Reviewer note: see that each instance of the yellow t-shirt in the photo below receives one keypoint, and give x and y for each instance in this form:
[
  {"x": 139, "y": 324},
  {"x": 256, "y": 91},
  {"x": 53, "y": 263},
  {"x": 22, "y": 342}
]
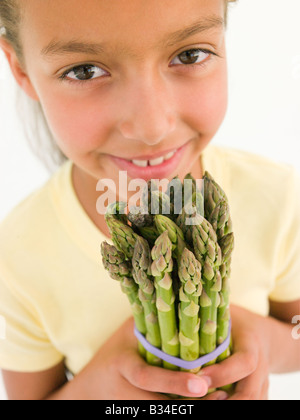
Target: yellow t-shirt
[{"x": 57, "y": 301}]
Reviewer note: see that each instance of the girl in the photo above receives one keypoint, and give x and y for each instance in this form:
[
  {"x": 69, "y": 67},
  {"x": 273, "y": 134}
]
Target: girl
[{"x": 137, "y": 86}]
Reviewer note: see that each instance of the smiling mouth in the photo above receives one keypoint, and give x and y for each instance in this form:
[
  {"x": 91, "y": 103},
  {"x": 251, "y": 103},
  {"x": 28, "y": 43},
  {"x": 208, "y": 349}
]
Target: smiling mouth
[
  {"x": 157, "y": 166},
  {"x": 143, "y": 163}
]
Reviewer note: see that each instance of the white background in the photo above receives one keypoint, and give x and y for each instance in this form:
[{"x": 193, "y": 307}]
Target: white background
[{"x": 263, "y": 116}]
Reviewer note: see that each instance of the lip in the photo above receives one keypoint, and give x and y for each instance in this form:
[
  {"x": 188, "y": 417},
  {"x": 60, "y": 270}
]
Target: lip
[
  {"x": 152, "y": 156},
  {"x": 162, "y": 171}
]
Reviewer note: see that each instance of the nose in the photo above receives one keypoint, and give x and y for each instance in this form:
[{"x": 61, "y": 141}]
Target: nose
[{"x": 148, "y": 111}]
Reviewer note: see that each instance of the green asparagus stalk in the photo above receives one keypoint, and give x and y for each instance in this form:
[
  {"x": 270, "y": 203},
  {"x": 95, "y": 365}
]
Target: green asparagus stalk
[
  {"x": 147, "y": 193},
  {"x": 140, "y": 218},
  {"x": 191, "y": 215},
  {"x": 123, "y": 236},
  {"x": 227, "y": 246},
  {"x": 213, "y": 195},
  {"x": 220, "y": 219},
  {"x": 116, "y": 211},
  {"x": 160, "y": 204},
  {"x": 189, "y": 177},
  {"x": 141, "y": 263},
  {"x": 119, "y": 269},
  {"x": 192, "y": 194},
  {"x": 208, "y": 252},
  {"x": 218, "y": 213},
  {"x": 175, "y": 193},
  {"x": 164, "y": 224},
  {"x": 150, "y": 233},
  {"x": 190, "y": 292},
  {"x": 161, "y": 269}
]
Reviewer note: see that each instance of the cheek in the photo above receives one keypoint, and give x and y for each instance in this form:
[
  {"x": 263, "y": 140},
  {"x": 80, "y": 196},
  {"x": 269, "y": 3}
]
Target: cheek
[
  {"x": 206, "y": 103},
  {"x": 79, "y": 125}
]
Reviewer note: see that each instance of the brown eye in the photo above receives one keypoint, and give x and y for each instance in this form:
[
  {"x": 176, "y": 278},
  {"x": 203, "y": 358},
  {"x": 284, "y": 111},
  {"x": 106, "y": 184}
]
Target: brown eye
[
  {"x": 85, "y": 72},
  {"x": 189, "y": 57},
  {"x": 195, "y": 56}
]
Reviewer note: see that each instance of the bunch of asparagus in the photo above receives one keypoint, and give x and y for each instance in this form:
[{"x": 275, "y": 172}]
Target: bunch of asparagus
[{"x": 175, "y": 273}]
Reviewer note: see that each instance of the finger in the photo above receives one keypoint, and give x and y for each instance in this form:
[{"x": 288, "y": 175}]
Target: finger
[
  {"x": 216, "y": 396},
  {"x": 252, "y": 388},
  {"x": 230, "y": 371},
  {"x": 255, "y": 386},
  {"x": 237, "y": 367},
  {"x": 154, "y": 379},
  {"x": 136, "y": 394}
]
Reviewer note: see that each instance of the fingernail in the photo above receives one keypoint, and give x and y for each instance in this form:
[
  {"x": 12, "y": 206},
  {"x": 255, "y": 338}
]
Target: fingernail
[
  {"x": 223, "y": 396},
  {"x": 208, "y": 380},
  {"x": 197, "y": 387}
]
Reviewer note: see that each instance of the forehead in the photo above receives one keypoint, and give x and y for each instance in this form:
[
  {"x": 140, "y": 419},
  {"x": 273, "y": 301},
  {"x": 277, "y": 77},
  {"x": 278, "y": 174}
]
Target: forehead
[{"x": 139, "y": 23}]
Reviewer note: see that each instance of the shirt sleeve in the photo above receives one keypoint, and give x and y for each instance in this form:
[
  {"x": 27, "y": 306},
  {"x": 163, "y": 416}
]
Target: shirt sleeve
[
  {"x": 24, "y": 345},
  {"x": 287, "y": 285}
]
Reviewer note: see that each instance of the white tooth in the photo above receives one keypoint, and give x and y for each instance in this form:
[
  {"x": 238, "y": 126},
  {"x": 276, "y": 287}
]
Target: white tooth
[
  {"x": 169, "y": 155},
  {"x": 156, "y": 162},
  {"x": 141, "y": 163}
]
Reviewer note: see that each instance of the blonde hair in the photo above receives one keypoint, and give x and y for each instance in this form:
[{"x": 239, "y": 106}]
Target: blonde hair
[
  {"x": 10, "y": 16},
  {"x": 36, "y": 129},
  {"x": 41, "y": 142}
]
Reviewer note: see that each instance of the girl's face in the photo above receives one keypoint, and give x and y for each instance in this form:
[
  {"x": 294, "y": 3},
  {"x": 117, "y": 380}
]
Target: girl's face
[{"x": 137, "y": 85}]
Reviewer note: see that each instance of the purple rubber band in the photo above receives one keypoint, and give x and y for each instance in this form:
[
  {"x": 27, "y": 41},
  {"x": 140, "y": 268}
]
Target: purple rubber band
[{"x": 180, "y": 362}]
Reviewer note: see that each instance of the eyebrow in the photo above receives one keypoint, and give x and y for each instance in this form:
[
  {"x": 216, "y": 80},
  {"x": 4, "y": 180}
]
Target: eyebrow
[
  {"x": 92, "y": 48},
  {"x": 196, "y": 28},
  {"x": 71, "y": 47}
]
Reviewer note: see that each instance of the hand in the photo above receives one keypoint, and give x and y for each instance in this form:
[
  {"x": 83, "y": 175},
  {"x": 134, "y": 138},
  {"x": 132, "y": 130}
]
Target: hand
[
  {"x": 118, "y": 372},
  {"x": 248, "y": 366}
]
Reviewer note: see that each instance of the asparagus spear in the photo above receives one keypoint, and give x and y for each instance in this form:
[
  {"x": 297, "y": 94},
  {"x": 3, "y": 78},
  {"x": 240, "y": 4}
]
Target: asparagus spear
[
  {"x": 191, "y": 192},
  {"x": 175, "y": 193},
  {"x": 123, "y": 236},
  {"x": 164, "y": 224},
  {"x": 161, "y": 269},
  {"x": 141, "y": 263},
  {"x": 218, "y": 213},
  {"x": 208, "y": 252},
  {"x": 139, "y": 217},
  {"x": 116, "y": 211},
  {"x": 189, "y": 177},
  {"x": 227, "y": 246},
  {"x": 220, "y": 219},
  {"x": 178, "y": 195},
  {"x": 191, "y": 215},
  {"x": 150, "y": 233},
  {"x": 190, "y": 277},
  {"x": 119, "y": 269},
  {"x": 213, "y": 195},
  {"x": 160, "y": 204},
  {"x": 147, "y": 194}
]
